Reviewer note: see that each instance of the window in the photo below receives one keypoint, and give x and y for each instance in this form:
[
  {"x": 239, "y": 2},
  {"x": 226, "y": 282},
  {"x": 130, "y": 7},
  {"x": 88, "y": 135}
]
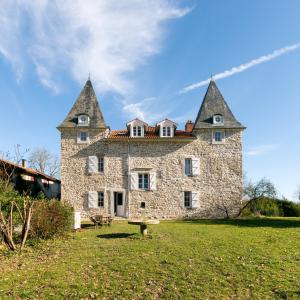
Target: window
[
  {"x": 100, "y": 164},
  {"x": 100, "y": 199},
  {"x": 188, "y": 167},
  {"x": 143, "y": 205},
  {"x": 83, "y": 136},
  {"x": 166, "y": 131},
  {"x": 137, "y": 131},
  {"x": 144, "y": 181},
  {"x": 218, "y": 137},
  {"x": 218, "y": 120},
  {"x": 83, "y": 120},
  {"x": 187, "y": 199}
]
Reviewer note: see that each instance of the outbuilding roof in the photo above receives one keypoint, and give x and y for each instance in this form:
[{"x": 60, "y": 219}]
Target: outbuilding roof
[{"x": 10, "y": 165}]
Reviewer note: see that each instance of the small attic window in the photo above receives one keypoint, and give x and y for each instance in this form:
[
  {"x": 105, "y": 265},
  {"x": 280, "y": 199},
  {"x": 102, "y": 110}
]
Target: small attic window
[
  {"x": 218, "y": 120},
  {"x": 83, "y": 120}
]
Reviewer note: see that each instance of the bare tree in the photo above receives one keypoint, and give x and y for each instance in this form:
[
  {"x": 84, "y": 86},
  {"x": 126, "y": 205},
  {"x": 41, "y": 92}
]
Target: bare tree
[
  {"x": 42, "y": 160},
  {"x": 256, "y": 191},
  {"x": 6, "y": 168},
  {"x": 7, "y": 223}
]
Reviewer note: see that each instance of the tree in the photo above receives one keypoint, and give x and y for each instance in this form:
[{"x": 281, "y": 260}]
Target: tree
[
  {"x": 253, "y": 192},
  {"x": 14, "y": 210},
  {"x": 43, "y": 161},
  {"x": 6, "y": 158},
  {"x": 298, "y": 193}
]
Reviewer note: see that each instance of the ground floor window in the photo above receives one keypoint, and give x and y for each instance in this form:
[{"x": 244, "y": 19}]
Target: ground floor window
[
  {"x": 187, "y": 199},
  {"x": 144, "y": 181},
  {"x": 101, "y": 199}
]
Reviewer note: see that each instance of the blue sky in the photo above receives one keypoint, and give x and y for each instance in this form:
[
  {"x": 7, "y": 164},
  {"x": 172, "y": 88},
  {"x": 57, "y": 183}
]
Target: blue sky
[{"x": 141, "y": 55}]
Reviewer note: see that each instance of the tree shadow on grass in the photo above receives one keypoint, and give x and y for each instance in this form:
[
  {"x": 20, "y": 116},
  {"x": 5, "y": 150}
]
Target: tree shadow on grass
[
  {"x": 115, "y": 235},
  {"x": 255, "y": 222}
]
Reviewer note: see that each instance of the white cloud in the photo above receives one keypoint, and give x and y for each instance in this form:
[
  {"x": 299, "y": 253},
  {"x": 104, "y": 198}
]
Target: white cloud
[
  {"x": 243, "y": 67},
  {"x": 145, "y": 110},
  {"x": 109, "y": 39},
  {"x": 261, "y": 149}
]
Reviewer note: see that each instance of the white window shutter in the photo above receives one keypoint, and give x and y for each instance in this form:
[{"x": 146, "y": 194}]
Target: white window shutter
[
  {"x": 195, "y": 166},
  {"x": 93, "y": 164},
  {"x": 195, "y": 199},
  {"x": 92, "y": 199},
  {"x": 133, "y": 181},
  {"x": 153, "y": 181}
]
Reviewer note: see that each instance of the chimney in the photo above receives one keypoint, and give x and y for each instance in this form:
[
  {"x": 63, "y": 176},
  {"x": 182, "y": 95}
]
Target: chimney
[
  {"x": 189, "y": 126},
  {"x": 23, "y": 163}
]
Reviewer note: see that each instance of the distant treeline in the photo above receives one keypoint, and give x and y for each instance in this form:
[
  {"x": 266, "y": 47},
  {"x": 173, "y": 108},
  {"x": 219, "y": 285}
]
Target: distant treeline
[{"x": 273, "y": 207}]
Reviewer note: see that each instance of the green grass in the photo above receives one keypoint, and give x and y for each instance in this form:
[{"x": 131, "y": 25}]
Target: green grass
[{"x": 205, "y": 259}]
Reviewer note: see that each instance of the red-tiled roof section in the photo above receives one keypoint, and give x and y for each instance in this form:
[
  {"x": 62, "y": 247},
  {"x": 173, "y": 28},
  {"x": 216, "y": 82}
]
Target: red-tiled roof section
[
  {"x": 151, "y": 133},
  {"x": 27, "y": 170}
]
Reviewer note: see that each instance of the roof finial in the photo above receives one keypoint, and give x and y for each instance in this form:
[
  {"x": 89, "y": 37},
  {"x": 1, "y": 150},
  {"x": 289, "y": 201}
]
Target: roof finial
[
  {"x": 212, "y": 77},
  {"x": 89, "y": 76}
]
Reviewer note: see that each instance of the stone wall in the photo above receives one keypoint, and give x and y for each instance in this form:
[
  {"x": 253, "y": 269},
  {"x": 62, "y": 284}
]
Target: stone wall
[{"x": 219, "y": 183}]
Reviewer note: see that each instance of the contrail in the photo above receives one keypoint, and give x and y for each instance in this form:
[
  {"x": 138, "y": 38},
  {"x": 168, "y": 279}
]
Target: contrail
[{"x": 243, "y": 67}]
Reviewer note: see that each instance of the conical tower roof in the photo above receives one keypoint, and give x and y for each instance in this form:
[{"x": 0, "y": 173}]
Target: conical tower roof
[
  {"x": 86, "y": 104},
  {"x": 214, "y": 104}
]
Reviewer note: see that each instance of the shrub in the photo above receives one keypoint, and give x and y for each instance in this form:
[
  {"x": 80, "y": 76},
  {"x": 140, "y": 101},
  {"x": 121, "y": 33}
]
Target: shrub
[
  {"x": 290, "y": 209},
  {"x": 7, "y": 195},
  {"x": 50, "y": 218},
  {"x": 273, "y": 207}
]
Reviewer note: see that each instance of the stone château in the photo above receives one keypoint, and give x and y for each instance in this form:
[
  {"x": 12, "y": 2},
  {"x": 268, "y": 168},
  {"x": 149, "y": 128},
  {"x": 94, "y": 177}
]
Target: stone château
[{"x": 153, "y": 171}]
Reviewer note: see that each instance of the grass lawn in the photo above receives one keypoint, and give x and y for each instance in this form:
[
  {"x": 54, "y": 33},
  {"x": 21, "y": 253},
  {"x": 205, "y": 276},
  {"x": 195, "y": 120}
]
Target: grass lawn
[{"x": 205, "y": 259}]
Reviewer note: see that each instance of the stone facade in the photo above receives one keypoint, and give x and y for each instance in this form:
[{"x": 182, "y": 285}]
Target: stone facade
[{"x": 217, "y": 185}]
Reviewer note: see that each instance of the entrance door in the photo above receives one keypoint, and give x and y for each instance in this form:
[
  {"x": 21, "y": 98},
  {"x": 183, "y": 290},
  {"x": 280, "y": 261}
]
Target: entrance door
[{"x": 118, "y": 204}]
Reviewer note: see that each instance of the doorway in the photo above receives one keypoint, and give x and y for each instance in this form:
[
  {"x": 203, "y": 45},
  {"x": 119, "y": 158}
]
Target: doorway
[{"x": 118, "y": 204}]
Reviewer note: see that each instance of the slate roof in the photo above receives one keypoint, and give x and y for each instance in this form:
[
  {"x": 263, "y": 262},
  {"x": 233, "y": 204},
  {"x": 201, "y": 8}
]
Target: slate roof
[
  {"x": 87, "y": 104},
  {"x": 213, "y": 104},
  {"x": 151, "y": 133}
]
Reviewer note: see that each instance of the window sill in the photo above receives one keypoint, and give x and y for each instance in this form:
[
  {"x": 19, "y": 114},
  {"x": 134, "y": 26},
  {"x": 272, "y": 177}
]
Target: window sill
[
  {"x": 83, "y": 142},
  {"x": 218, "y": 143},
  {"x": 96, "y": 173}
]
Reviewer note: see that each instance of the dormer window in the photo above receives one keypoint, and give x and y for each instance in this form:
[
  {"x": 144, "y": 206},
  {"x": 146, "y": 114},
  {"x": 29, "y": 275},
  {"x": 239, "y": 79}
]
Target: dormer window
[
  {"x": 137, "y": 128},
  {"x": 218, "y": 120},
  {"x": 83, "y": 120},
  {"x": 166, "y": 128}
]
